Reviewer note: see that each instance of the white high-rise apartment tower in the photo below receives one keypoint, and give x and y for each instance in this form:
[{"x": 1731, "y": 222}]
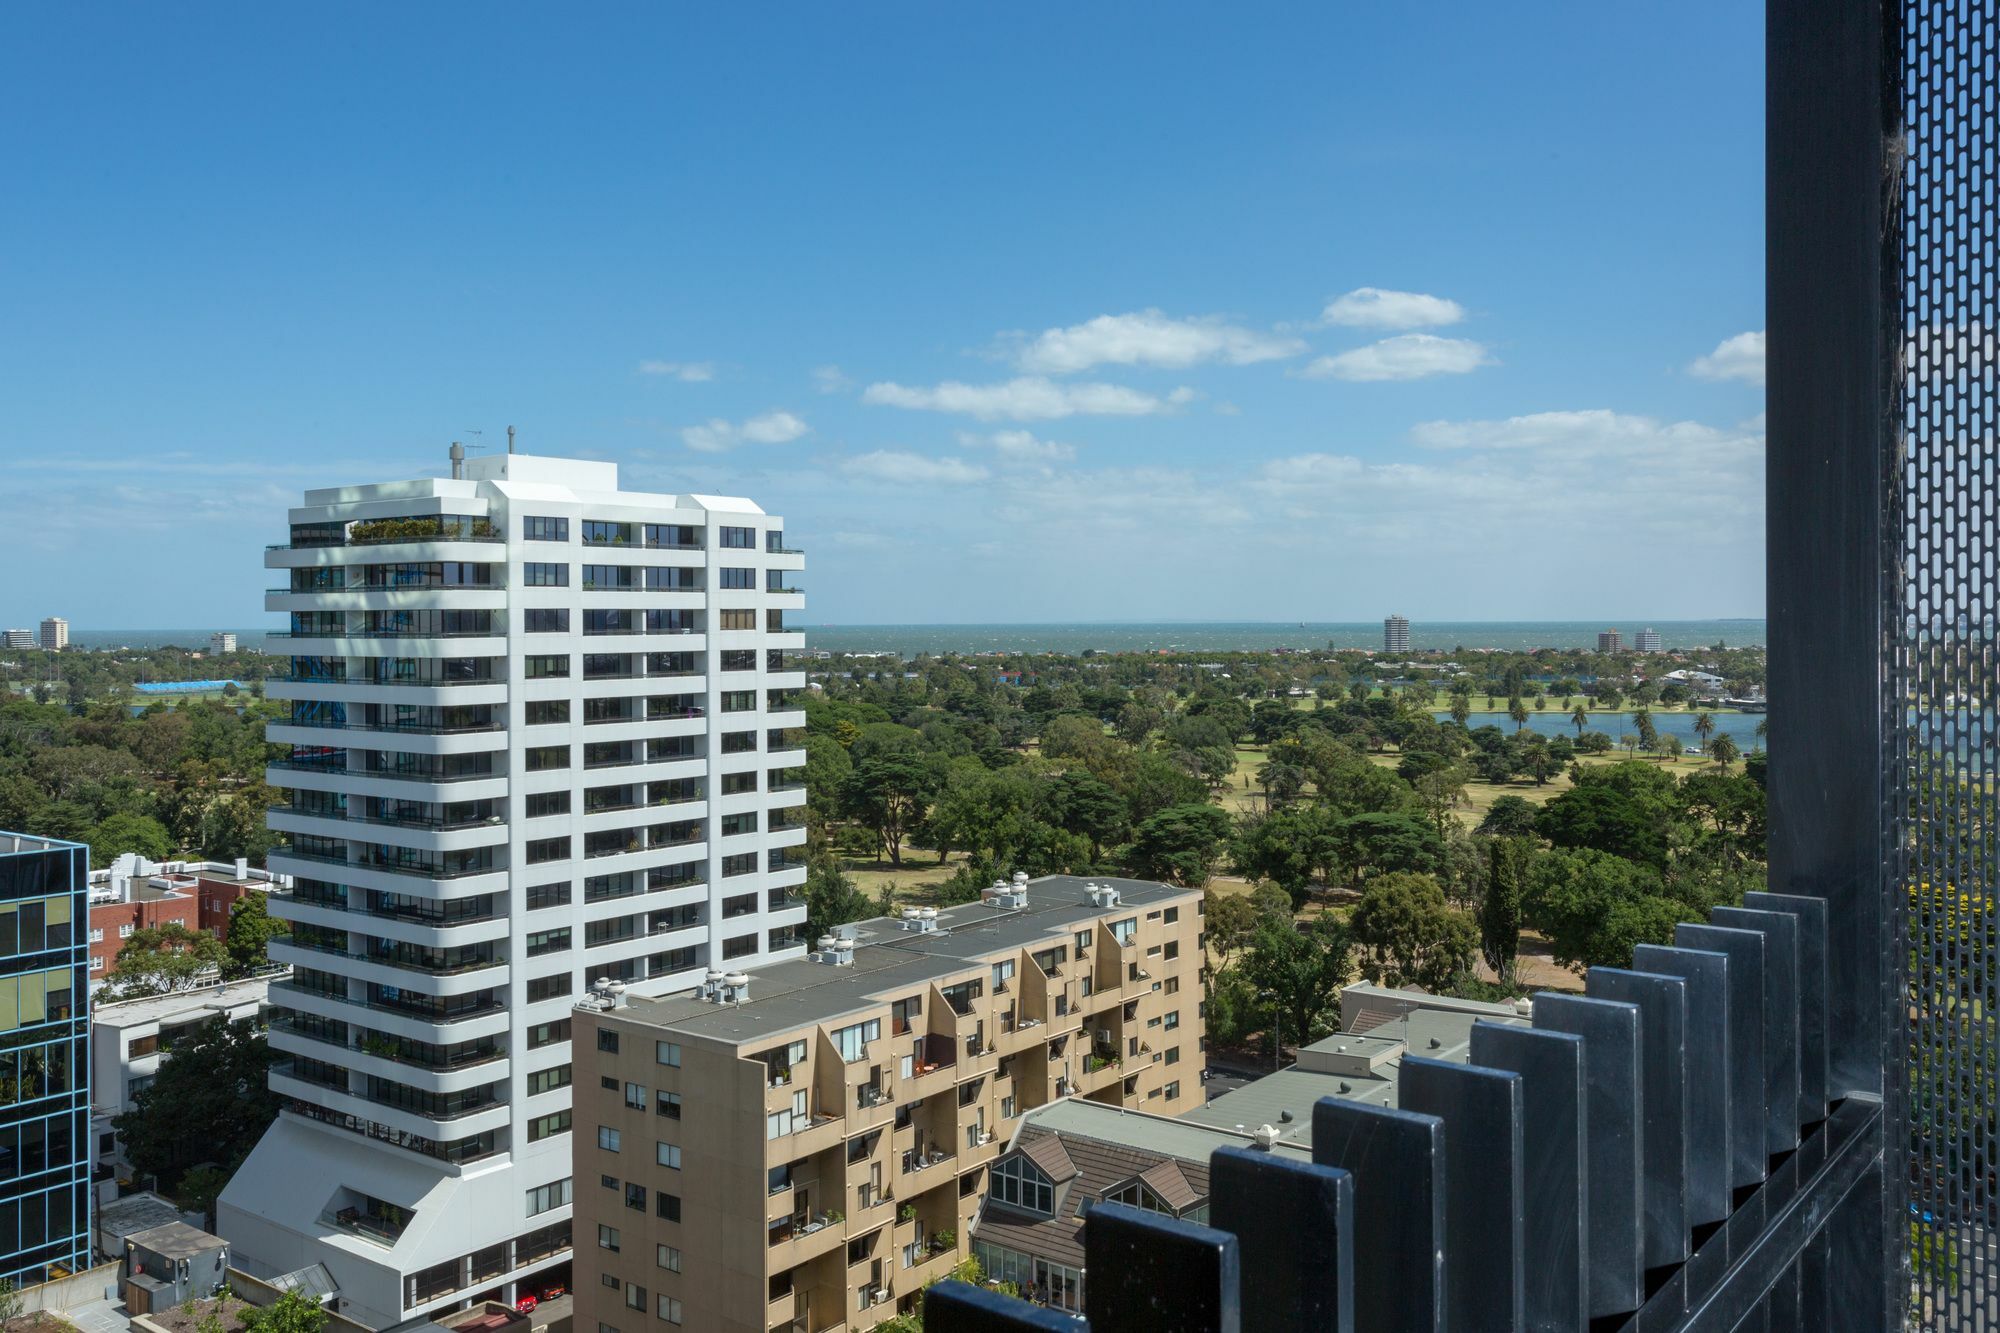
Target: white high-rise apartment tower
[
  {"x": 1395, "y": 634},
  {"x": 544, "y": 733}
]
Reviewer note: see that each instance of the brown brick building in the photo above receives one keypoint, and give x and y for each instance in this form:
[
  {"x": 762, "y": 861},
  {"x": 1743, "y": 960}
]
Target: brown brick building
[
  {"x": 806, "y": 1148},
  {"x": 198, "y": 900}
]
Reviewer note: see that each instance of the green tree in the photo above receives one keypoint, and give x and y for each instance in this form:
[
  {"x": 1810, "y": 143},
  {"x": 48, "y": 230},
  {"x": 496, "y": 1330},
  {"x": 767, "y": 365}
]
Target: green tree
[
  {"x": 1180, "y": 844},
  {"x": 1509, "y": 816},
  {"x": 1409, "y": 935},
  {"x": 1500, "y": 907},
  {"x": 157, "y": 960},
  {"x": 1580, "y": 715},
  {"x": 126, "y": 832},
  {"x": 251, "y": 929},
  {"x": 217, "y": 1079},
  {"x": 1594, "y": 907},
  {"x": 1087, "y": 806},
  {"x": 831, "y": 898},
  {"x": 1293, "y": 848},
  {"x": 1518, "y": 711},
  {"x": 1604, "y": 818},
  {"x": 1461, "y": 707},
  {"x": 1375, "y": 843},
  {"x": 1704, "y": 727},
  {"x": 293, "y": 1312},
  {"x": 1304, "y": 971},
  {"x": 1723, "y": 751},
  {"x": 888, "y": 795}
]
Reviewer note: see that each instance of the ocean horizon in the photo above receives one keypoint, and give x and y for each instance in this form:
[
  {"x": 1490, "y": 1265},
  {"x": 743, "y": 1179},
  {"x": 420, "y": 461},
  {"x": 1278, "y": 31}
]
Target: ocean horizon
[{"x": 1075, "y": 637}]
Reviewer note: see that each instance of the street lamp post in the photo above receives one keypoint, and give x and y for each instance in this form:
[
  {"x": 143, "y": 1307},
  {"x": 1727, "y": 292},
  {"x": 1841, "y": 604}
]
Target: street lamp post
[{"x": 1278, "y": 1024}]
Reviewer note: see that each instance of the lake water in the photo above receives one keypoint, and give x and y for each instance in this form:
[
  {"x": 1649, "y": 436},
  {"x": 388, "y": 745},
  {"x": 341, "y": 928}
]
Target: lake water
[{"x": 1739, "y": 727}]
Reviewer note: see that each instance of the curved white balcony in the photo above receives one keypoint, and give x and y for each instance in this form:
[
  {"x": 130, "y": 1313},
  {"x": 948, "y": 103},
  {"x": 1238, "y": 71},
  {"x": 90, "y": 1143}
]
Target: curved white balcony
[
  {"x": 359, "y": 736},
  {"x": 395, "y": 1117},
  {"x": 356, "y": 784},
  {"x": 471, "y": 1073},
  {"x": 485, "y": 1022}
]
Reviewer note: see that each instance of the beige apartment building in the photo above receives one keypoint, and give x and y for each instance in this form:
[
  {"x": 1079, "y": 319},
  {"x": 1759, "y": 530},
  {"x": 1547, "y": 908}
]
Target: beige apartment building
[{"x": 804, "y": 1148}]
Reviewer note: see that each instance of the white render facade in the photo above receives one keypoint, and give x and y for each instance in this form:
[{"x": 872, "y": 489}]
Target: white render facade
[{"x": 545, "y": 733}]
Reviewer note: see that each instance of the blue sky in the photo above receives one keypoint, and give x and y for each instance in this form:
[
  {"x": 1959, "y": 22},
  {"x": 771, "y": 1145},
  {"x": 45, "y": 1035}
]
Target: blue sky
[{"x": 1034, "y": 312}]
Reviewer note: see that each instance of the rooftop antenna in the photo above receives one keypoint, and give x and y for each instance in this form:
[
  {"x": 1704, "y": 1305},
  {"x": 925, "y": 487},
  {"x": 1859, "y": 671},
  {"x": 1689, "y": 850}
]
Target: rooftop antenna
[
  {"x": 476, "y": 446},
  {"x": 510, "y": 439}
]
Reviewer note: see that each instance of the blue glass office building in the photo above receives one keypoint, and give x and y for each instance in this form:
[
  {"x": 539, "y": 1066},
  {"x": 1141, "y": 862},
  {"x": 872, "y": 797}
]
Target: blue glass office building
[{"x": 44, "y": 1058}]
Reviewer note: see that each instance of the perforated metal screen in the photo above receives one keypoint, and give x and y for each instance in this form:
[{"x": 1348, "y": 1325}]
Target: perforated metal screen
[{"x": 1943, "y": 690}]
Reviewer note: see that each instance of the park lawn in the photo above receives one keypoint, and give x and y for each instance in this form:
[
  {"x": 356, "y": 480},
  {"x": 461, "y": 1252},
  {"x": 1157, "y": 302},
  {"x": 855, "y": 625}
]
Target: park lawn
[{"x": 915, "y": 881}]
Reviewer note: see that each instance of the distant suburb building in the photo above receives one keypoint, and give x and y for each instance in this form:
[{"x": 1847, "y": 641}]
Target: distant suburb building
[
  {"x": 19, "y": 638},
  {"x": 1396, "y": 634},
  {"x": 805, "y": 1147},
  {"x": 44, "y": 1072},
  {"x": 1647, "y": 641},
  {"x": 1610, "y": 641},
  {"x": 54, "y": 636},
  {"x": 222, "y": 641}
]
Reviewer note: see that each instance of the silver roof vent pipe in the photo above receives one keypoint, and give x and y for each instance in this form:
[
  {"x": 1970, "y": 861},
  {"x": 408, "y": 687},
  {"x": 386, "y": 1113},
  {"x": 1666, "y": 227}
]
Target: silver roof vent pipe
[{"x": 458, "y": 461}]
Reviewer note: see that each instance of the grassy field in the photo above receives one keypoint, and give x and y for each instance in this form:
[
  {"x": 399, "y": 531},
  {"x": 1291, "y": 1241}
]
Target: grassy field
[{"x": 1243, "y": 796}]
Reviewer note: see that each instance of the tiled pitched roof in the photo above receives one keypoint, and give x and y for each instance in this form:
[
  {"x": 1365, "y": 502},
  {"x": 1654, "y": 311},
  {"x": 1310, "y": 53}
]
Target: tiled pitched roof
[
  {"x": 1047, "y": 1153},
  {"x": 1097, "y": 1167},
  {"x": 1167, "y": 1180}
]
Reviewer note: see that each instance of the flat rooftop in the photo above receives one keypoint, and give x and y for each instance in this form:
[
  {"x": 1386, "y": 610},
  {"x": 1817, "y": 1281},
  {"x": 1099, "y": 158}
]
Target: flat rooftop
[
  {"x": 1285, "y": 1100},
  {"x": 183, "y": 1005},
  {"x": 14, "y": 844},
  {"x": 889, "y": 959},
  {"x": 1185, "y": 1138}
]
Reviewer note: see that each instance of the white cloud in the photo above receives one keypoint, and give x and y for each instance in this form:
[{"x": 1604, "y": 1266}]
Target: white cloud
[
  {"x": 1029, "y": 398},
  {"x": 687, "y": 372},
  {"x": 829, "y": 379},
  {"x": 1409, "y": 356},
  {"x": 1737, "y": 358},
  {"x": 1019, "y": 446},
  {"x": 1376, "y": 308},
  {"x": 1561, "y": 475},
  {"x": 716, "y": 435},
  {"x": 907, "y": 469},
  {"x": 1591, "y": 433},
  {"x": 1151, "y": 338}
]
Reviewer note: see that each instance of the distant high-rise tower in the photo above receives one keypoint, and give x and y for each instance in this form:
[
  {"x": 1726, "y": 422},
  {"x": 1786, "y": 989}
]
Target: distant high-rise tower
[
  {"x": 222, "y": 641},
  {"x": 1396, "y": 634},
  {"x": 55, "y": 634},
  {"x": 543, "y": 732},
  {"x": 1610, "y": 641},
  {"x": 1648, "y": 641}
]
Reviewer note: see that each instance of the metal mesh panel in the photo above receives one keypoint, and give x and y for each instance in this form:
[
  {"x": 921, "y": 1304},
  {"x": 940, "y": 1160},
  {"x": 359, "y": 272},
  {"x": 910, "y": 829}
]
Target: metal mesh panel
[{"x": 1942, "y": 690}]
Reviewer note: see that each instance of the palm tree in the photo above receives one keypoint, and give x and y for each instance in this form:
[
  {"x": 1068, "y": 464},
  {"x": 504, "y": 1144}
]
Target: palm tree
[
  {"x": 1518, "y": 711},
  {"x": 1581, "y": 716},
  {"x": 1762, "y": 723},
  {"x": 1642, "y": 718},
  {"x": 1704, "y": 726},
  {"x": 1722, "y": 750},
  {"x": 1461, "y": 708}
]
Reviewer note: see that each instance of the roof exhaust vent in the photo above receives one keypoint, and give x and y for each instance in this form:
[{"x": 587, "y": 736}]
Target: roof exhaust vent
[
  {"x": 1265, "y": 1137},
  {"x": 1101, "y": 895},
  {"x": 835, "y": 951},
  {"x": 735, "y": 989},
  {"x": 1006, "y": 894},
  {"x": 922, "y": 920}
]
